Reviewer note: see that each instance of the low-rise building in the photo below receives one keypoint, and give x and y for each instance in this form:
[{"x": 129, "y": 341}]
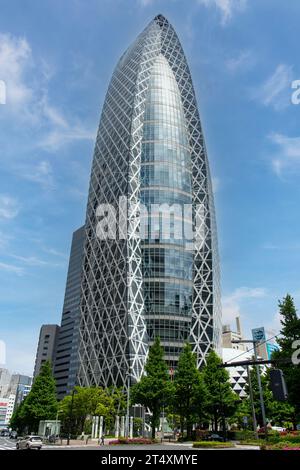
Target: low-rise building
[{"x": 6, "y": 410}]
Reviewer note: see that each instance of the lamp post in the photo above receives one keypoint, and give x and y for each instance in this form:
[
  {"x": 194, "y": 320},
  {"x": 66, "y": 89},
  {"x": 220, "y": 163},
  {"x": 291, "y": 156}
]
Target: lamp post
[
  {"x": 56, "y": 424},
  {"x": 70, "y": 417},
  {"x": 128, "y": 405}
]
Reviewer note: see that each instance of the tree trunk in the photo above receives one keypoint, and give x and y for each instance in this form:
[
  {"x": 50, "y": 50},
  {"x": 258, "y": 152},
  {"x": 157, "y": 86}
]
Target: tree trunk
[
  {"x": 215, "y": 423},
  {"x": 153, "y": 429},
  {"x": 154, "y": 422},
  {"x": 182, "y": 426}
]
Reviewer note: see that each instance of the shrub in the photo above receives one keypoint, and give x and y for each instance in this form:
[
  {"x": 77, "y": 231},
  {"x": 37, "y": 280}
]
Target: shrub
[
  {"x": 295, "y": 438},
  {"x": 283, "y": 445},
  {"x": 242, "y": 435},
  {"x": 213, "y": 444},
  {"x": 135, "y": 440}
]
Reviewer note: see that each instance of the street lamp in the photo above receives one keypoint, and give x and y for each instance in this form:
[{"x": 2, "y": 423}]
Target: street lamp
[
  {"x": 70, "y": 417},
  {"x": 56, "y": 423},
  {"x": 128, "y": 403}
]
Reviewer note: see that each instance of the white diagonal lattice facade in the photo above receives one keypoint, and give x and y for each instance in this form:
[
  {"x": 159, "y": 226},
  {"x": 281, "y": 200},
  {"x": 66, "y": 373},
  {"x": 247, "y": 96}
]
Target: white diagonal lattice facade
[{"x": 149, "y": 149}]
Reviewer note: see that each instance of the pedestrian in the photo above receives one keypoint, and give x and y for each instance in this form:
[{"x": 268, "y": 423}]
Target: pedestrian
[{"x": 102, "y": 440}]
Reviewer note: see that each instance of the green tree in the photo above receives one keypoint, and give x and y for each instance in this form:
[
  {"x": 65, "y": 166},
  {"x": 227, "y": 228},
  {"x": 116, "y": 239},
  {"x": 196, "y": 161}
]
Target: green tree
[
  {"x": 17, "y": 420},
  {"x": 154, "y": 389},
  {"x": 190, "y": 391},
  {"x": 87, "y": 402},
  {"x": 41, "y": 403},
  {"x": 222, "y": 401},
  {"x": 290, "y": 332}
]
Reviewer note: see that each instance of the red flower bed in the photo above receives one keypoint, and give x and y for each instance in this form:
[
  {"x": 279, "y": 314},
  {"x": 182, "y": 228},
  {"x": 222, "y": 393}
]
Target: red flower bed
[{"x": 291, "y": 448}]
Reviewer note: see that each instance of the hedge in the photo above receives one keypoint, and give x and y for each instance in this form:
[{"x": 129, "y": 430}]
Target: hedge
[{"x": 213, "y": 444}]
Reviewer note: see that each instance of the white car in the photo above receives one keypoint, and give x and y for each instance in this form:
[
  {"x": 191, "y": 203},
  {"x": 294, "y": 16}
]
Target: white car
[
  {"x": 30, "y": 442},
  {"x": 278, "y": 428}
]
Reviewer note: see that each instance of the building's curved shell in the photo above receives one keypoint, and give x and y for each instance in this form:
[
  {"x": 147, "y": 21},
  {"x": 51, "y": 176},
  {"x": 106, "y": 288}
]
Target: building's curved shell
[{"x": 118, "y": 318}]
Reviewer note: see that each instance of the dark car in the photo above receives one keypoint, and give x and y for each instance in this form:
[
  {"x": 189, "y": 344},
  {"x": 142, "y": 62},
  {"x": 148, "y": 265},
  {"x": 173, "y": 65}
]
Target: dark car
[{"x": 215, "y": 437}]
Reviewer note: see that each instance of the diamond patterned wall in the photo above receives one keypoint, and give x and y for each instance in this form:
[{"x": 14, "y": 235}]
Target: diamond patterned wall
[{"x": 113, "y": 332}]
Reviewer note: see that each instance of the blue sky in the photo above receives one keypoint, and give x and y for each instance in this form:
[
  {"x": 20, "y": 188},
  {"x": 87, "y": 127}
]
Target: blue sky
[{"x": 56, "y": 58}]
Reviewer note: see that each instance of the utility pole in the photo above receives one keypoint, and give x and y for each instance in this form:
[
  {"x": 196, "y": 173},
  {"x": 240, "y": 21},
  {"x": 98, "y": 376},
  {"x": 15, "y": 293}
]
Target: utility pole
[
  {"x": 252, "y": 403},
  {"x": 261, "y": 396}
]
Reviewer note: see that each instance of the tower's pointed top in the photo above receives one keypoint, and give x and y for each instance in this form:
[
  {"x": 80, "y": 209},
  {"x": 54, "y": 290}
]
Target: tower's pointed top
[{"x": 160, "y": 19}]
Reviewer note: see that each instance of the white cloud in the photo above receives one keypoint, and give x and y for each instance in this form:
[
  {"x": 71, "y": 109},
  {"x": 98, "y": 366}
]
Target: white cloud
[
  {"x": 20, "y": 349},
  {"x": 27, "y": 81},
  {"x": 9, "y": 207},
  {"x": 59, "y": 137},
  {"x": 145, "y": 3},
  {"x": 216, "y": 184},
  {"x": 274, "y": 326},
  {"x": 244, "y": 61},
  {"x": 232, "y": 303},
  {"x": 15, "y": 58},
  {"x": 41, "y": 173},
  {"x": 11, "y": 268},
  {"x": 275, "y": 91},
  {"x": 32, "y": 261},
  {"x": 53, "y": 252},
  {"x": 283, "y": 247},
  {"x": 287, "y": 156},
  {"x": 226, "y": 7}
]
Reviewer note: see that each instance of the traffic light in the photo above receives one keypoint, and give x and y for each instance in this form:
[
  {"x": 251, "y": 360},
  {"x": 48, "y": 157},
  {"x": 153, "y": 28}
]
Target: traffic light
[{"x": 278, "y": 385}]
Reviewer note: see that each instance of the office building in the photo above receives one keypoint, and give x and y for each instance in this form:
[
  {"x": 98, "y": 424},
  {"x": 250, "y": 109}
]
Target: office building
[
  {"x": 46, "y": 346},
  {"x": 66, "y": 355},
  {"x": 142, "y": 277}
]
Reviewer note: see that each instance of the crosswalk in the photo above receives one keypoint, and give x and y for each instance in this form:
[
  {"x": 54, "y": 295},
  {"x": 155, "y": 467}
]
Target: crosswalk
[{"x": 6, "y": 444}]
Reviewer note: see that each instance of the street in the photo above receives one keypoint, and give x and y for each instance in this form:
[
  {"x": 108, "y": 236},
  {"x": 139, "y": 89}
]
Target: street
[
  {"x": 10, "y": 444},
  {"x": 7, "y": 444}
]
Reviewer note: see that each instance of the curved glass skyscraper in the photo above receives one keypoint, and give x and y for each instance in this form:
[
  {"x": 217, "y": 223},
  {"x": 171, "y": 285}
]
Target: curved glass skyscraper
[{"x": 151, "y": 260}]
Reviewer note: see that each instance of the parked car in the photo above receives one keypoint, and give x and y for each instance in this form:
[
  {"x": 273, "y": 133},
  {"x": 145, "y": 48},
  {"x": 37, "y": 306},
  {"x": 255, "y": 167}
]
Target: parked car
[
  {"x": 215, "y": 437},
  {"x": 13, "y": 435},
  {"x": 278, "y": 428},
  {"x": 30, "y": 442}
]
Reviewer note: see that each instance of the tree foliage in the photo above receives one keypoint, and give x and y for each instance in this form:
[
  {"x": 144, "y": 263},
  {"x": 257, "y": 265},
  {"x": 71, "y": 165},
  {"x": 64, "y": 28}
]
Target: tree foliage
[
  {"x": 222, "y": 401},
  {"x": 40, "y": 404},
  {"x": 155, "y": 388},
  {"x": 190, "y": 392},
  {"x": 290, "y": 333},
  {"x": 76, "y": 411}
]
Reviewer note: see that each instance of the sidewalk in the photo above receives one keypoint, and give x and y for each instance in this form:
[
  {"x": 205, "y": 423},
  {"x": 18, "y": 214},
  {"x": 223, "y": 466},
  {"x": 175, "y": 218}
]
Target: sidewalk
[{"x": 75, "y": 443}]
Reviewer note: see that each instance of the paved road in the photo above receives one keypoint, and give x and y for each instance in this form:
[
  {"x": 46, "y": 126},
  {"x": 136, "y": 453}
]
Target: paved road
[
  {"x": 7, "y": 444},
  {"x": 149, "y": 448},
  {"x": 10, "y": 444}
]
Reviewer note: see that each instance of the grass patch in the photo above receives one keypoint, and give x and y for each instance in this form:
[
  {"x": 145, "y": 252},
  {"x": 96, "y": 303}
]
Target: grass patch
[
  {"x": 213, "y": 445},
  {"x": 252, "y": 442}
]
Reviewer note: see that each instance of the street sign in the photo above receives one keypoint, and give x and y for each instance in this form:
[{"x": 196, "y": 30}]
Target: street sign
[{"x": 258, "y": 334}]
